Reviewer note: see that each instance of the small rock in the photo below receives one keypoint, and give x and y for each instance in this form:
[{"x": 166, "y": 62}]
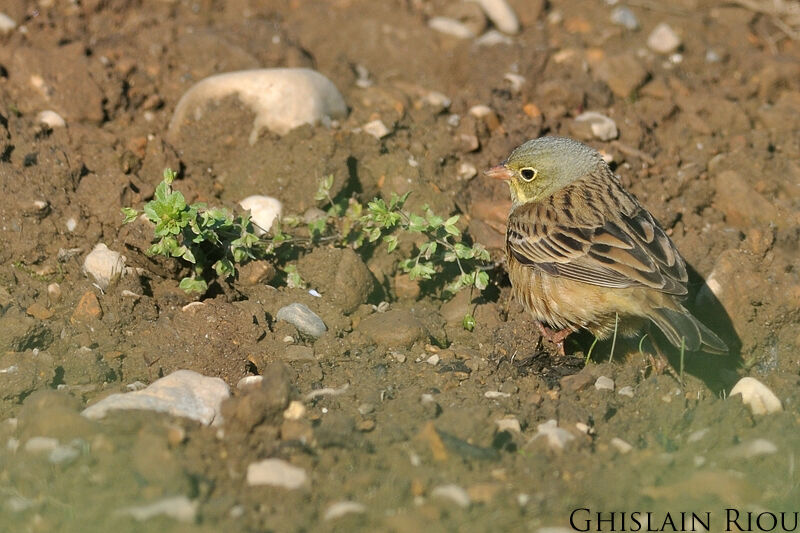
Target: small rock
[
  {"x": 376, "y": 128},
  {"x": 54, "y": 292},
  {"x": 40, "y": 444},
  {"x": 451, "y": 27},
  {"x": 663, "y": 39},
  {"x": 495, "y": 394},
  {"x": 757, "y": 396},
  {"x": 752, "y": 448},
  {"x": 304, "y": 319},
  {"x": 622, "y": 16},
  {"x": 340, "y": 509},
  {"x": 501, "y": 14},
  {"x": 433, "y": 360},
  {"x": 622, "y": 73},
  {"x": 576, "y": 382},
  {"x": 508, "y": 424},
  {"x": 466, "y": 171},
  {"x": 394, "y": 328},
  {"x": 277, "y": 473},
  {"x": 295, "y": 411},
  {"x": 264, "y": 211},
  {"x": 453, "y": 493},
  {"x": 604, "y": 383},
  {"x": 248, "y": 382},
  {"x": 556, "y": 437},
  {"x": 492, "y": 38},
  {"x": 183, "y": 393},
  {"x": 7, "y": 24},
  {"x": 626, "y": 391},
  {"x": 37, "y": 310},
  {"x": 104, "y": 265},
  {"x": 621, "y": 446},
  {"x": 598, "y": 125},
  {"x": 51, "y": 119},
  {"x": 179, "y": 508},
  {"x": 281, "y": 98},
  {"x": 87, "y": 310}
]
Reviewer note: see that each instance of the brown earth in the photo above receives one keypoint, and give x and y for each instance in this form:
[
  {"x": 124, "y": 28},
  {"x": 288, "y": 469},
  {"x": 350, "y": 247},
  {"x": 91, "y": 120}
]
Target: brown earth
[{"x": 709, "y": 141}]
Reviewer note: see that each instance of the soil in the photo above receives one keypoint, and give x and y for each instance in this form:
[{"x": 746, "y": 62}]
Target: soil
[{"x": 709, "y": 141}]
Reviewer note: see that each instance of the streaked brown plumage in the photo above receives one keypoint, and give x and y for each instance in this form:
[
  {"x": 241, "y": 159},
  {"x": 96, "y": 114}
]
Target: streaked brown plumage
[{"x": 582, "y": 251}]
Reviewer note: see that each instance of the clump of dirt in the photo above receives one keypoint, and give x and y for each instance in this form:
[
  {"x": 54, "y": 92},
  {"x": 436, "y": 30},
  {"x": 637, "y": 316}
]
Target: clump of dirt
[{"x": 413, "y": 421}]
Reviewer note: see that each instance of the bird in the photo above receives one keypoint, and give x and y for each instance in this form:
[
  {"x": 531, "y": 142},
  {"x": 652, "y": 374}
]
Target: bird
[{"x": 582, "y": 252}]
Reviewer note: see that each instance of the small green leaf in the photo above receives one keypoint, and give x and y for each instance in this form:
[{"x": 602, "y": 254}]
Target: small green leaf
[
  {"x": 194, "y": 285},
  {"x": 468, "y": 322},
  {"x": 481, "y": 280},
  {"x": 129, "y": 214},
  {"x": 391, "y": 240},
  {"x": 224, "y": 268}
]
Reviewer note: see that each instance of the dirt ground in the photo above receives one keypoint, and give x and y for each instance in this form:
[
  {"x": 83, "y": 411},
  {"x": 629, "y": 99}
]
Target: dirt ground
[{"x": 438, "y": 428}]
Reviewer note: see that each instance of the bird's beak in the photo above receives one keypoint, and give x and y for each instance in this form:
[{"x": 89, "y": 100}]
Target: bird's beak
[{"x": 500, "y": 172}]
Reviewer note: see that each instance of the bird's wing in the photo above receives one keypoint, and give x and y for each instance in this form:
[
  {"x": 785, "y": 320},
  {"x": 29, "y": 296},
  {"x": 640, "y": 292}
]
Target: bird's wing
[{"x": 605, "y": 239}]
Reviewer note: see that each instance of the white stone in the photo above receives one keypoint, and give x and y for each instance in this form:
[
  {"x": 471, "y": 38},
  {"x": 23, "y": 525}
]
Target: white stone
[
  {"x": 454, "y": 493},
  {"x": 557, "y": 438},
  {"x": 376, "y": 128},
  {"x": 339, "y": 509},
  {"x": 467, "y": 171},
  {"x": 494, "y": 394},
  {"x": 264, "y": 211},
  {"x": 437, "y": 99},
  {"x": 501, "y": 14},
  {"x": 515, "y": 80},
  {"x": 433, "y": 360},
  {"x": 492, "y": 38},
  {"x": 41, "y": 444},
  {"x": 752, "y": 448},
  {"x": 604, "y": 383},
  {"x": 179, "y": 508},
  {"x": 480, "y": 111},
  {"x": 183, "y": 393},
  {"x": 450, "y": 26},
  {"x": 104, "y": 265},
  {"x": 7, "y": 24},
  {"x": 627, "y": 390},
  {"x": 622, "y": 16},
  {"x": 295, "y": 411},
  {"x": 508, "y": 424},
  {"x": 757, "y": 396},
  {"x": 621, "y": 446},
  {"x": 50, "y": 119},
  {"x": 602, "y": 127},
  {"x": 277, "y": 473},
  {"x": 281, "y": 98},
  {"x": 71, "y": 224},
  {"x": 663, "y": 39},
  {"x": 249, "y": 382}
]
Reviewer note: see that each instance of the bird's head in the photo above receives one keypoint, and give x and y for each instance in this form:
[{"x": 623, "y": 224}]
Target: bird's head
[{"x": 543, "y": 166}]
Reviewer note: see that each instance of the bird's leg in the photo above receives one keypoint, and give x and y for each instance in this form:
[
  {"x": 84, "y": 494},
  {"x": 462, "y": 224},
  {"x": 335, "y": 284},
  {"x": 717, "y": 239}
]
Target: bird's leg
[{"x": 556, "y": 337}]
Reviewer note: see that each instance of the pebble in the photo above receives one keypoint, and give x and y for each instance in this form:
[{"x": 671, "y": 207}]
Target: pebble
[
  {"x": 621, "y": 446},
  {"x": 557, "y": 438},
  {"x": 752, "y": 448},
  {"x": 7, "y": 24},
  {"x": 757, "y": 396},
  {"x": 492, "y": 38},
  {"x": 281, "y": 98},
  {"x": 515, "y": 80},
  {"x": 454, "y": 493},
  {"x": 51, "y": 119},
  {"x": 183, "y": 393},
  {"x": 601, "y": 127},
  {"x": 467, "y": 171},
  {"x": 576, "y": 382},
  {"x": 264, "y": 210},
  {"x": 71, "y": 224},
  {"x": 87, "y": 310},
  {"x": 438, "y": 100},
  {"x": 626, "y": 391},
  {"x": 249, "y": 382},
  {"x": 433, "y": 360},
  {"x": 339, "y": 509},
  {"x": 394, "y": 328},
  {"x": 622, "y": 16},
  {"x": 450, "y": 26},
  {"x": 179, "y": 508},
  {"x": 376, "y": 128},
  {"x": 604, "y": 383},
  {"x": 104, "y": 265},
  {"x": 37, "y": 310},
  {"x": 493, "y": 394},
  {"x": 41, "y": 444},
  {"x": 277, "y": 473},
  {"x": 501, "y": 14},
  {"x": 508, "y": 424},
  {"x": 295, "y": 411},
  {"x": 663, "y": 39},
  {"x": 54, "y": 292},
  {"x": 304, "y": 319}
]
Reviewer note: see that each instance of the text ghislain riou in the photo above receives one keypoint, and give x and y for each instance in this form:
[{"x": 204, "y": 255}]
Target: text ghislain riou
[{"x": 584, "y": 519}]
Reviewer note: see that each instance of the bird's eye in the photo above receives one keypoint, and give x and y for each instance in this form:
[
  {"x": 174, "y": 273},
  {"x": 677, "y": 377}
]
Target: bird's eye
[{"x": 528, "y": 173}]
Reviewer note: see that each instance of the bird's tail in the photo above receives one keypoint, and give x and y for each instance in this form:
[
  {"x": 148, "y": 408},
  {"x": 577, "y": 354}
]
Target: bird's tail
[{"x": 677, "y": 324}]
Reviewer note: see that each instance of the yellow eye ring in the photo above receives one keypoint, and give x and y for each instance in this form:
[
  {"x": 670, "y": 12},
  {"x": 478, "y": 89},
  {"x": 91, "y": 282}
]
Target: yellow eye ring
[{"x": 528, "y": 173}]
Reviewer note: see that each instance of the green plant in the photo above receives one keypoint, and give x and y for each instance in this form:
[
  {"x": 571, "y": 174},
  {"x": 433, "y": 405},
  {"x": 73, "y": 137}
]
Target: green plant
[
  {"x": 209, "y": 238},
  {"x": 215, "y": 240}
]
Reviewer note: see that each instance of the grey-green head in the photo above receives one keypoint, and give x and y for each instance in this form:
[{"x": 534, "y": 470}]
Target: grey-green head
[{"x": 540, "y": 167}]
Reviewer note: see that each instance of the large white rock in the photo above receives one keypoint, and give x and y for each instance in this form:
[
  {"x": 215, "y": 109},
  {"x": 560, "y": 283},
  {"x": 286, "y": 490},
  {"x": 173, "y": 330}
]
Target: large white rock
[
  {"x": 757, "y": 396},
  {"x": 183, "y": 393},
  {"x": 276, "y": 472},
  {"x": 104, "y": 265},
  {"x": 501, "y": 14},
  {"x": 264, "y": 210},
  {"x": 281, "y": 98}
]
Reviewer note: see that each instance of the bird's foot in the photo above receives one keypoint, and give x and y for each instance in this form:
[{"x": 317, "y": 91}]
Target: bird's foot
[{"x": 556, "y": 337}]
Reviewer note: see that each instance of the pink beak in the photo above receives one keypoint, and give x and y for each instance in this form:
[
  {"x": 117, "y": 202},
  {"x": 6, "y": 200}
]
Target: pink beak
[{"x": 500, "y": 172}]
